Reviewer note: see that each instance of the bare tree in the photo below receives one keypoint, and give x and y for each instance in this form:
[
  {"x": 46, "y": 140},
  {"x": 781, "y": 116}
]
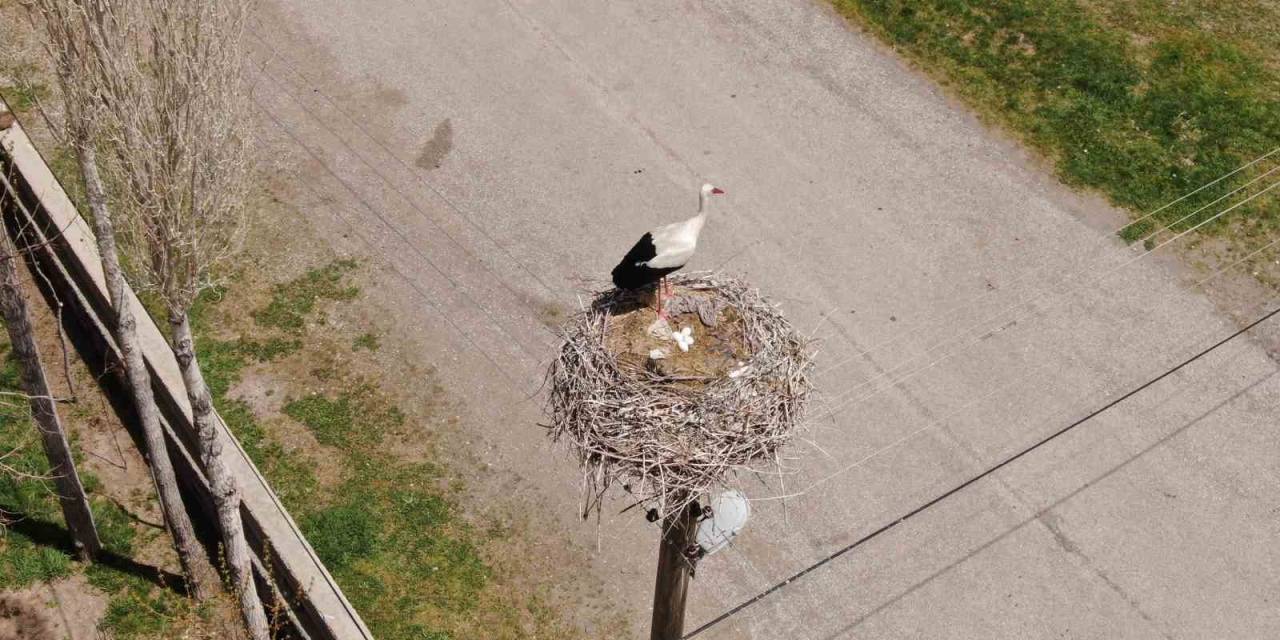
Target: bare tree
[
  {"x": 44, "y": 412},
  {"x": 179, "y": 118},
  {"x": 83, "y": 38}
]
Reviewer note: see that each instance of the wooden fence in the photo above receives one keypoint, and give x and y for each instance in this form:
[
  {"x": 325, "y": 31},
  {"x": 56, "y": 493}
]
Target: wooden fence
[{"x": 59, "y": 242}]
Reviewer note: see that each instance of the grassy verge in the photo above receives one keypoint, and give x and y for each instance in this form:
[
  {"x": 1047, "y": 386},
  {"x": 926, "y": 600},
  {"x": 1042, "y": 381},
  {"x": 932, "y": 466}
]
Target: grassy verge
[
  {"x": 23, "y": 560},
  {"x": 374, "y": 501},
  {"x": 387, "y": 523},
  {"x": 1143, "y": 101}
]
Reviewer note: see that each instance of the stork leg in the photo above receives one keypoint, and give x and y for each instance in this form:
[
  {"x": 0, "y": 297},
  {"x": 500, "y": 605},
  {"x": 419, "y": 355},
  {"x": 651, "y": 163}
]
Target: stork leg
[{"x": 662, "y": 314}]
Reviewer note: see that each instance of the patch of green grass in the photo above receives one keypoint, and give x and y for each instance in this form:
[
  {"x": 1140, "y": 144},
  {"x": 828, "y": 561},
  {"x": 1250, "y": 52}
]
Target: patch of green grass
[
  {"x": 367, "y": 341},
  {"x": 115, "y": 527},
  {"x": 22, "y": 98},
  {"x": 330, "y": 421},
  {"x": 223, "y": 363},
  {"x": 24, "y": 561},
  {"x": 29, "y": 493},
  {"x": 66, "y": 168},
  {"x": 140, "y": 609},
  {"x": 135, "y": 613},
  {"x": 268, "y": 350},
  {"x": 399, "y": 550},
  {"x": 222, "y": 360},
  {"x": 136, "y": 608},
  {"x": 118, "y": 536},
  {"x": 239, "y": 417},
  {"x": 388, "y": 528},
  {"x": 1137, "y": 231},
  {"x": 393, "y": 540},
  {"x": 356, "y": 416},
  {"x": 343, "y": 533},
  {"x": 292, "y": 476},
  {"x": 1145, "y": 106},
  {"x": 292, "y": 301}
]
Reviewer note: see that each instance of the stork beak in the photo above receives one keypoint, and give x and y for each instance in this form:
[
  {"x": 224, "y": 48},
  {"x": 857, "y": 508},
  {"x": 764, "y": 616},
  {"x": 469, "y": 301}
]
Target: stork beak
[{"x": 717, "y": 190}]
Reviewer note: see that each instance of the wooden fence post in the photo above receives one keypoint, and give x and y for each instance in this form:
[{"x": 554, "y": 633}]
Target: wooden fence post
[{"x": 44, "y": 412}]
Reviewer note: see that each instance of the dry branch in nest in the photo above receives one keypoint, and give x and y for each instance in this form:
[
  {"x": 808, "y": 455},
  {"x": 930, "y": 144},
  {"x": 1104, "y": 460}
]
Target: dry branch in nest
[{"x": 671, "y": 428}]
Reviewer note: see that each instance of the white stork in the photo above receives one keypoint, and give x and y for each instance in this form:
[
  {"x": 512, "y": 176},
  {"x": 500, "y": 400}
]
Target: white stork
[{"x": 663, "y": 250}]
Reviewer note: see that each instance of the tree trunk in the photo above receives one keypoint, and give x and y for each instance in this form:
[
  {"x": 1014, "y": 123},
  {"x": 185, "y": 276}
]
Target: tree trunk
[
  {"x": 226, "y": 494},
  {"x": 195, "y": 565},
  {"x": 75, "y": 504}
]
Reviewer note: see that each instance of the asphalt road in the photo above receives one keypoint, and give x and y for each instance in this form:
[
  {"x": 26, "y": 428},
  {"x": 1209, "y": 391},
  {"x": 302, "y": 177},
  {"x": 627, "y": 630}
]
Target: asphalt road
[{"x": 490, "y": 156}]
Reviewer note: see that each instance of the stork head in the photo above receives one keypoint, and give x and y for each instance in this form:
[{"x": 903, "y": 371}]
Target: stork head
[{"x": 704, "y": 196}]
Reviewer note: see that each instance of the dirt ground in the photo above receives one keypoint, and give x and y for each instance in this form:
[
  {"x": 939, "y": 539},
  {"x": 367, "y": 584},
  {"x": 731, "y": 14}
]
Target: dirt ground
[{"x": 67, "y": 609}]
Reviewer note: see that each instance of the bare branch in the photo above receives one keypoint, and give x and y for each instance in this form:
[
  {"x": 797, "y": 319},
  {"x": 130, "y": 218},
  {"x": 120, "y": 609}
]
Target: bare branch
[
  {"x": 178, "y": 132},
  {"x": 180, "y": 141},
  {"x": 93, "y": 44}
]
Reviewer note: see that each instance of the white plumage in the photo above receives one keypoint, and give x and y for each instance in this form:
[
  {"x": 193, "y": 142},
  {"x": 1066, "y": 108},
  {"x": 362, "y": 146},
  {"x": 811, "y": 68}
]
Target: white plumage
[
  {"x": 664, "y": 249},
  {"x": 676, "y": 242}
]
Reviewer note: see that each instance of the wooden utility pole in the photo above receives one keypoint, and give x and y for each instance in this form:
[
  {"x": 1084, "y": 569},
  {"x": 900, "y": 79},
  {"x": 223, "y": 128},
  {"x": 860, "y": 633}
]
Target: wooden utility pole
[
  {"x": 675, "y": 568},
  {"x": 75, "y": 504}
]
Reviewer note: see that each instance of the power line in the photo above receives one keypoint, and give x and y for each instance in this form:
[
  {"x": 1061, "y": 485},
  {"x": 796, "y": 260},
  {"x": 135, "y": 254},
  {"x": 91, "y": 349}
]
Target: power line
[
  {"x": 378, "y": 141},
  {"x": 1102, "y": 241},
  {"x": 937, "y": 421},
  {"x": 452, "y": 281},
  {"x": 960, "y": 487},
  {"x": 291, "y": 66},
  {"x": 429, "y": 299},
  {"x": 1018, "y": 315},
  {"x": 361, "y": 127},
  {"x": 1098, "y": 276}
]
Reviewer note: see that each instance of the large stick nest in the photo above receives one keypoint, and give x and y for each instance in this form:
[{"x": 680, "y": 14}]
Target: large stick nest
[{"x": 670, "y": 429}]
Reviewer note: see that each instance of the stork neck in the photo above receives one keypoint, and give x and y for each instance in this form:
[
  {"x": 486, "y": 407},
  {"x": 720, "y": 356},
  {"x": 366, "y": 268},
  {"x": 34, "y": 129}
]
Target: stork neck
[{"x": 695, "y": 223}]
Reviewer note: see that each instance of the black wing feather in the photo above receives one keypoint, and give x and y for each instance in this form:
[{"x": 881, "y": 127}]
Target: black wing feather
[
  {"x": 643, "y": 251},
  {"x": 630, "y": 273}
]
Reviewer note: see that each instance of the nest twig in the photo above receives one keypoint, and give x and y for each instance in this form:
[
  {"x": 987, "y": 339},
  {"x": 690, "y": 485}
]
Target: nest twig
[{"x": 663, "y": 440}]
